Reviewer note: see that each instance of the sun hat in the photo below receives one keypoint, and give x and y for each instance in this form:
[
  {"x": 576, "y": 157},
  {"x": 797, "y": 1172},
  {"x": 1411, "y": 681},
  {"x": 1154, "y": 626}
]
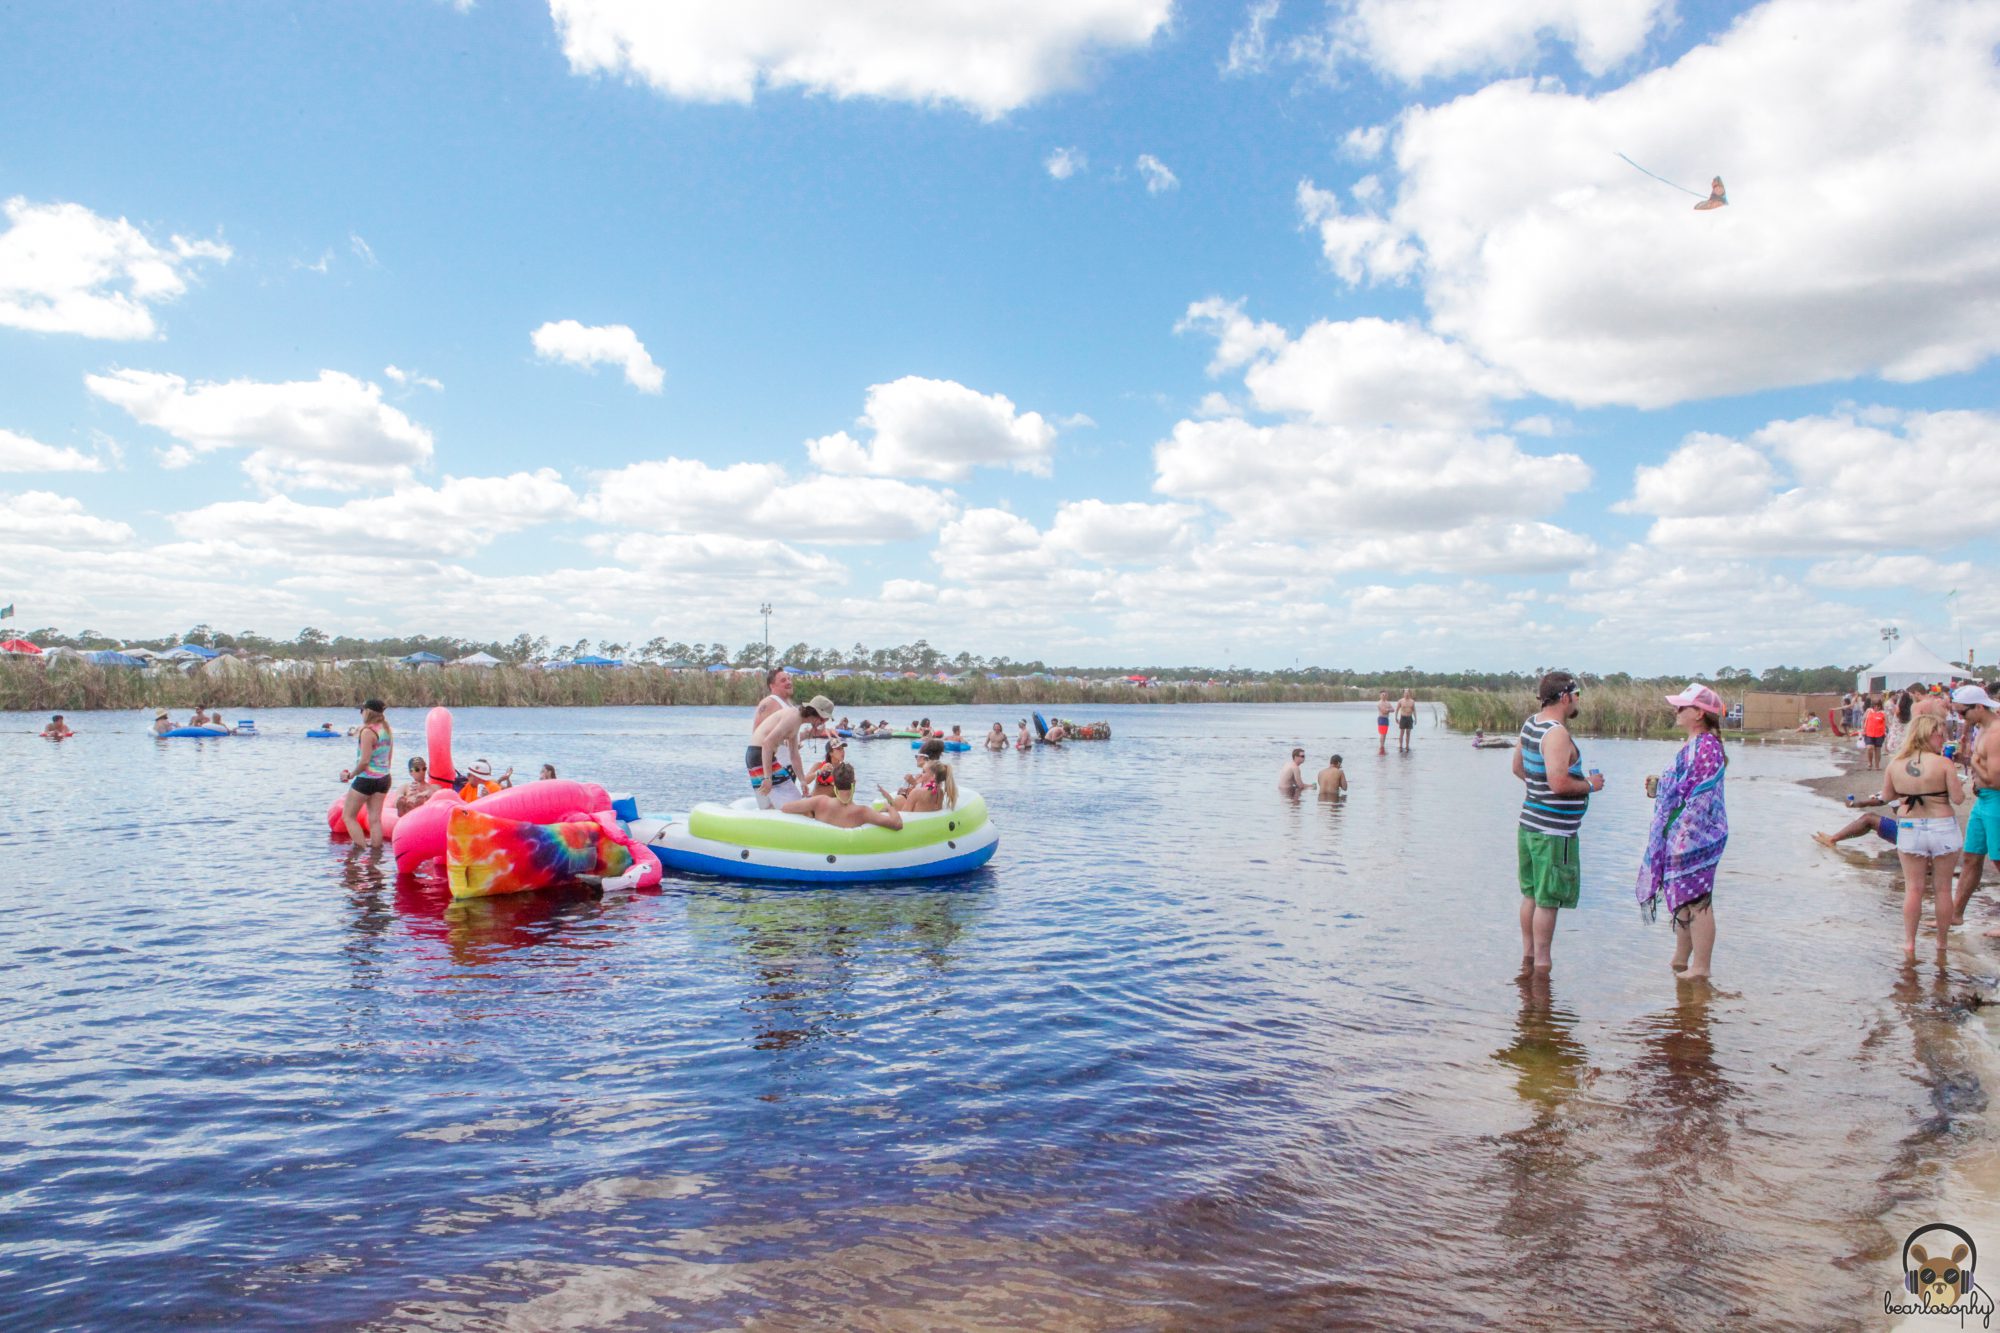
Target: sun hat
[
  {"x": 161, "y": 713},
  {"x": 1973, "y": 695},
  {"x": 822, "y": 706},
  {"x": 1699, "y": 696},
  {"x": 481, "y": 769}
]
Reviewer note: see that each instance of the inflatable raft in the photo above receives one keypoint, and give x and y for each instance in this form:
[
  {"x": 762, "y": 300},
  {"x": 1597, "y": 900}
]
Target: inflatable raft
[
  {"x": 488, "y": 854},
  {"x": 949, "y": 745},
  {"x": 321, "y": 734},
  {"x": 178, "y": 732},
  {"x": 740, "y": 841}
]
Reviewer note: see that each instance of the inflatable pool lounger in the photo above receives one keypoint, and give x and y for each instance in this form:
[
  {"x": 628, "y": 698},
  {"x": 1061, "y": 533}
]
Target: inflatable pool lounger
[{"x": 741, "y": 841}]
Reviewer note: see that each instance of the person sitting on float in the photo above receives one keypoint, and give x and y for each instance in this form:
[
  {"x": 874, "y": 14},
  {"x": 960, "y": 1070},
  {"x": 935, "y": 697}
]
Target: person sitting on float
[
  {"x": 821, "y": 783},
  {"x": 162, "y": 724},
  {"x": 418, "y": 789},
  {"x": 548, "y": 773},
  {"x": 479, "y": 781},
  {"x": 936, "y": 790},
  {"x": 839, "y": 808}
]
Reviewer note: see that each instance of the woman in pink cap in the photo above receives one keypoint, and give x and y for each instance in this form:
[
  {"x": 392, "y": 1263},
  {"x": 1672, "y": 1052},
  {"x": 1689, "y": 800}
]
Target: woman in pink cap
[{"x": 1690, "y": 829}]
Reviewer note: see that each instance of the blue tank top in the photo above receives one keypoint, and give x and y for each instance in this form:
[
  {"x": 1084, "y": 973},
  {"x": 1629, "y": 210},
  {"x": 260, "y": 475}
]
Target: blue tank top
[{"x": 1543, "y": 810}]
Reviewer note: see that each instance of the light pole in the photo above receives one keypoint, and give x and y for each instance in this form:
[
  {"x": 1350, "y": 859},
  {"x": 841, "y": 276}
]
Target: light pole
[{"x": 765, "y": 611}]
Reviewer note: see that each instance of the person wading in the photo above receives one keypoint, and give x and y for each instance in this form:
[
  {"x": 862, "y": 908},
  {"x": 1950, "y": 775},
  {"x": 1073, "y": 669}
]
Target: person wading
[{"x": 1558, "y": 794}]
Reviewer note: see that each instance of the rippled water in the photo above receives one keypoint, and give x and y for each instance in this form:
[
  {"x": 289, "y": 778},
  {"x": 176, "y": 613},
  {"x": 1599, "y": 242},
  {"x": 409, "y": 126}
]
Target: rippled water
[{"x": 1187, "y": 1054}]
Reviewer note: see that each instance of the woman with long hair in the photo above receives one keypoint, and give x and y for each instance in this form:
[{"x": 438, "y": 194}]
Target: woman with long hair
[
  {"x": 1690, "y": 829},
  {"x": 1923, "y": 786},
  {"x": 374, "y": 752}
]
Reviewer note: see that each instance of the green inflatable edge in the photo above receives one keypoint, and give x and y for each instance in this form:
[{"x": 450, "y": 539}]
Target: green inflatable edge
[{"x": 745, "y": 828}]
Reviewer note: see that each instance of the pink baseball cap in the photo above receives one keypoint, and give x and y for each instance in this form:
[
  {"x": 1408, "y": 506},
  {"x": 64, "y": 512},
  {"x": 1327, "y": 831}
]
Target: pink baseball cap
[{"x": 1699, "y": 696}]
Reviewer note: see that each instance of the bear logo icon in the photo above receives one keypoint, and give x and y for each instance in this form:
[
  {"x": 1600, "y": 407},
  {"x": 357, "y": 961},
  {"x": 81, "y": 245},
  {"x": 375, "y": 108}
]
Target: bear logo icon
[{"x": 1940, "y": 1282}]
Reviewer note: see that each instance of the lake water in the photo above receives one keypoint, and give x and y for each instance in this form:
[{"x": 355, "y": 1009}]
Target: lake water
[{"x": 1187, "y": 1054}]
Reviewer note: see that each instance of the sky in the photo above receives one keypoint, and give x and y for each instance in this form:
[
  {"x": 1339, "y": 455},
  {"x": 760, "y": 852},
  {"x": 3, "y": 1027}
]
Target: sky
[{"x": 1106, "y": 332}]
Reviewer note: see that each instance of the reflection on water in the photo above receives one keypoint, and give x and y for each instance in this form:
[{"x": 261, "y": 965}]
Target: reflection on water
[{"x": 1188, "y": 1053}]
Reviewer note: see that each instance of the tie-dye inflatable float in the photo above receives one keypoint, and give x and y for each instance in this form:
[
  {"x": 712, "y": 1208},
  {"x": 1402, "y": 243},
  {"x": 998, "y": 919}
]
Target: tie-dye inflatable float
[{"x": 533, "y": 836}]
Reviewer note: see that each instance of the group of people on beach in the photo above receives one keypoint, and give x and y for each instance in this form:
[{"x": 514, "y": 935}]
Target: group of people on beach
[{"x": 1943, "y": 744}]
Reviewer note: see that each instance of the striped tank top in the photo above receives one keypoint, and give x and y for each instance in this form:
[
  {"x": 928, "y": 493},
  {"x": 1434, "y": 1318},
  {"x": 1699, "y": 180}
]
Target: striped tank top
[
  {"x": 375, "y": 764},
  {"x": 1543, "y": 810}
]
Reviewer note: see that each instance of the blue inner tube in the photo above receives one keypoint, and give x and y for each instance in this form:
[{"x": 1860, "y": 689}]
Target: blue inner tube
[
  {"x": 949, "y": 745},
  {"x": 323, "y": 735},
  {"x": 1041, "y": 727},
  {"x": 194, "y": 731}
]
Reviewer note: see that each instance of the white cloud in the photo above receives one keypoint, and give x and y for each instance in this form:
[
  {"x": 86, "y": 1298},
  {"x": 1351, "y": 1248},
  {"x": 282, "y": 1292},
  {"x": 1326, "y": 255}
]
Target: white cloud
[
  {"x": 938, "y": 430},
  {"x": 1370, "y": 372},
  {"x": 411, "y": 379},
  {"x": 1892, "y": 571},
  {"x": 1121, "y": 533},
  {"x": 1867, "y": 480},
  {"x": 1157, "y": 177},
  {"x": 989, "y": 59},
  {"x": 1708, "y": 613},
  {"x": 1362, "y": 246},
  {"x": 719, "y": 556},
  {"x": 687, "y": 495},
  {"x": 362, "y": 250},
  {"x": 43, "y": 518},
  {"x": 1250, "y": 45},
  {"x": 1365, "y": 143},
  {"x": 1413, "y": 40},
  {"x": 460, "y": 514},
  {"x": 334, "y": 432},
  {"x": 1062, "y": 163},
  {"x": 18, "y": 453},
  {"x": 594, "y": 345},
  {"x": 1483, "y": 548},
  {"x": 1239, "y": 340},
  {"x": 1859, "y": 239},
  {"x": 64, "y": 269}
]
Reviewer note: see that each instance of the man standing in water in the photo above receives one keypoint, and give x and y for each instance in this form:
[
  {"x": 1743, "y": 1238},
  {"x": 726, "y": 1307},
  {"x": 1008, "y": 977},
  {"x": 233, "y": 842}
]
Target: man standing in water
[
  {"x": 1332, "y": 780},
  {"x": 1382, "y": 710},
  {"x": 1982, "y": 822},
  {"x": 1547, "y": 844},
  {"x": 1406, "y": 720},
  {"x": 1290, "y": 780}
]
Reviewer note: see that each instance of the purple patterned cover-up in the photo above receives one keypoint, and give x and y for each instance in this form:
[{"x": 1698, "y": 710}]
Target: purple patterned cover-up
[{"x": 1690, "y": 828}]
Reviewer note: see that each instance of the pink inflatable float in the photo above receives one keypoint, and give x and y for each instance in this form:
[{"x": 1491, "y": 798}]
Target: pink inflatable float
[
  {"x": 338, "y": 827},
  {"x": 421, "y": 835}
]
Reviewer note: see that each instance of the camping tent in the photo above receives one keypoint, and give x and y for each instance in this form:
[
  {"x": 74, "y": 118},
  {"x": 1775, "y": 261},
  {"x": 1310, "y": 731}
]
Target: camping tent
[
  {"x": 1910, "y": 663},
  {"x": 423, "y": 659},
  {"x": 21, "y": 646},
  {"x": 478, "y": 660},
  {"x": 107, "y": 658},
  {"x": 598, "y": 661},
  {"x": 187, "y": 650}
]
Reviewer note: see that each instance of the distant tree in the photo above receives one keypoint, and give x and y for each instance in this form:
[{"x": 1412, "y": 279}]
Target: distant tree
[
  {"x": 312, "y": 641},
  {"x": 201, "y": 634}
]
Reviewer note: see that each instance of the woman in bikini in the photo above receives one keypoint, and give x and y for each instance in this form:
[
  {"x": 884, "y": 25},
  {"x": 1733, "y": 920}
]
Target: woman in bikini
[{"x": 1923, "y": 786}]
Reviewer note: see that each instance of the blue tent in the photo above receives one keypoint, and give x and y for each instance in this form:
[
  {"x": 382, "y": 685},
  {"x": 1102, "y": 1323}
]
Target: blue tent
[
  {"x": 195, "y": 649},
  {"x": 599, "y": 661},
  {"x": 109, "y": 658},
  {"x": 721, "y": 667},
  {"x": 423, "y": 659}
]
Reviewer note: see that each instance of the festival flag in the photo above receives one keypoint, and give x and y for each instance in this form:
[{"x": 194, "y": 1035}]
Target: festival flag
[{"x": 7, "y": 611}]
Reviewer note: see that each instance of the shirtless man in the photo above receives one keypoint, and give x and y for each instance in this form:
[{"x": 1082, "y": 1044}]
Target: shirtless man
[
  {"x": 1332, "y": 780},
  {"x": 780, "y": 731},
  {"x": 778, "y": 684},
  {"x": 839, "y": 809},
  {"x": 1982, "y": 822},
  {"x": 57, "y": 729},
  {"x": 1023, "y": 740},
  {"x": 996, "y": 739},
  {"x": 1406, "y": 720},
  {"x": 1290, "y": 781},
  {"x": 1382, "y": 710}
]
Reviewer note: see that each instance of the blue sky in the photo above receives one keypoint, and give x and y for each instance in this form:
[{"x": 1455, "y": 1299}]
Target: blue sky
[{"x": 1383, "y": 358}]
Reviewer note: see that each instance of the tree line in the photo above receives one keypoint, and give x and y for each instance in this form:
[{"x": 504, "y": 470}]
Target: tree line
[{"x": 313, "y": 643}]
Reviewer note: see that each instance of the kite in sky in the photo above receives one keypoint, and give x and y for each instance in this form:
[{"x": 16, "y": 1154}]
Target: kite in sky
[{"x": 1717, "y": 196}]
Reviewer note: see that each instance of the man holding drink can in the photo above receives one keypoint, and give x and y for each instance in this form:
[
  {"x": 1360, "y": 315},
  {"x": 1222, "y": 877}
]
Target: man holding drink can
[{"x": 1552, "y": 809}]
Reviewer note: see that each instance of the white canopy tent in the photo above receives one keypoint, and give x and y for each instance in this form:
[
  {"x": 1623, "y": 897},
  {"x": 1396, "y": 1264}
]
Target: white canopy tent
[
  {"x": 478, "y": 660},
  {"x": 1910, "y": 663}
]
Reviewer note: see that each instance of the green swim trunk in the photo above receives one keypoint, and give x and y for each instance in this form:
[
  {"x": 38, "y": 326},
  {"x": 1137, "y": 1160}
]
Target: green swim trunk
[{"x": 1550, "y": 872}]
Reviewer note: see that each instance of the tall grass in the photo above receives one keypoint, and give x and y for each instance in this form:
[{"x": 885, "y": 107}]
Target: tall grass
[
  {"x": 69, "y": 686},
  {"x": 1606, "y": 710}
]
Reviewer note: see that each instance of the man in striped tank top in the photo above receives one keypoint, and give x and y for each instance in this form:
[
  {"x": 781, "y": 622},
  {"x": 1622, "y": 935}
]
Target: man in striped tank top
[{"x": 1547, "y": 844}]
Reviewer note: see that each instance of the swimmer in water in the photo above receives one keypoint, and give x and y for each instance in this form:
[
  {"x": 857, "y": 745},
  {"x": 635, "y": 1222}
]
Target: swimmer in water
[
  {"x": 996, "y": 739},
  {"x": 1023, "y": 740},
  {"x": 1290, "y": 781},
  {"x": 1332, "y": 780},
  {"x": 57, "y": 729}
]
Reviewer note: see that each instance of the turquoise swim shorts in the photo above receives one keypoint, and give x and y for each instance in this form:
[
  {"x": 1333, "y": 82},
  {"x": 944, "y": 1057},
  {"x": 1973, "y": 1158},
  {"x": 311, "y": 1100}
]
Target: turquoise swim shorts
[{"x": 1982, "y": 824}]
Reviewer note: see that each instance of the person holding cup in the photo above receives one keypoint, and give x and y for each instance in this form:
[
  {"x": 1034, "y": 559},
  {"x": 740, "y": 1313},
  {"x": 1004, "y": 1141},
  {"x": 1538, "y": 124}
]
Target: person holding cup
[
  {"x": 1552, "y": 808},
  {"x": 1690, "y": 829}
]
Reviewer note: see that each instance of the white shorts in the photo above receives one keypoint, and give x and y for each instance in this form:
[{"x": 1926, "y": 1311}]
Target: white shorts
[{"x": 1927, "y": 837}]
